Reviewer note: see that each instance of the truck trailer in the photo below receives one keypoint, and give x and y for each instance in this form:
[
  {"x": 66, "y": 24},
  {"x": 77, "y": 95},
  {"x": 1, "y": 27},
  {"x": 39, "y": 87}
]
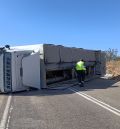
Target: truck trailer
[
  {"x": 43, "y": 64},
  {"x": 57, "y": 62}
]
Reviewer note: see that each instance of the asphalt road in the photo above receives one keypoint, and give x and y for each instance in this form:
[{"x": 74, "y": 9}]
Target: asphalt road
[
  {"x": 65, "y": 109},
  {"x": 3, "y": 99}
]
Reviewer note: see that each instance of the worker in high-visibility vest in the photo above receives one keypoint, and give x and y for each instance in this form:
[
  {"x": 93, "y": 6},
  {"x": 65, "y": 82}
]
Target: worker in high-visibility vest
[{"x": 80, "y": 70}]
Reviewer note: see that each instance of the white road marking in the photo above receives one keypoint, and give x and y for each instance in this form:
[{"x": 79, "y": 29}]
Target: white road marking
[
  {"x": 9, "y": 117},
  {"x": 5, "y": 114},
  {"x": 7, "y": 125},
  {"x": 101, "y": 102},
  {"x": 98, "y": 102}
]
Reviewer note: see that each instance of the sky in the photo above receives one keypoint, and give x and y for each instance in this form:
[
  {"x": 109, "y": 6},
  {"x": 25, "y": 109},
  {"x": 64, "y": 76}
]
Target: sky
[{"x": 89, "y": 24}]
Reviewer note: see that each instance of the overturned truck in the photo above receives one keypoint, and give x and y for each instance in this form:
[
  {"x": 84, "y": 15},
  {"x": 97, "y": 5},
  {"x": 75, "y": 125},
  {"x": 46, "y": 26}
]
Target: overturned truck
[{"x": 39, "y": 65}]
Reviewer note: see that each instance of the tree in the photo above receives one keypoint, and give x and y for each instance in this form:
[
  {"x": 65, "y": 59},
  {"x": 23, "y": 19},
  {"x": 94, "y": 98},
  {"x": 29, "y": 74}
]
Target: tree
[{"x": 111, "y": 54}]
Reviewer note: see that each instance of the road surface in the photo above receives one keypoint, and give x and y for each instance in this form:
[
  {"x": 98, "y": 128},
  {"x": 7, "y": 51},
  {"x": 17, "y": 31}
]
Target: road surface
[{"x": 95, "y": 106}]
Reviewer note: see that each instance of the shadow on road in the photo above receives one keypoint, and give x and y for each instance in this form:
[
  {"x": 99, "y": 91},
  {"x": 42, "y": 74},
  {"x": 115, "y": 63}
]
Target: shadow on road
[{"x": 62, "y": 88}]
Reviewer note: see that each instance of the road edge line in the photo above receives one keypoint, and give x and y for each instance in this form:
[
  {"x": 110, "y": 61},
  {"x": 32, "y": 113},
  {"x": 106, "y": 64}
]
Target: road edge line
[
  {"x": 103, "y": 103},
  {"x": 88, "y": 98},
  {"x": 5, "y": 114}
]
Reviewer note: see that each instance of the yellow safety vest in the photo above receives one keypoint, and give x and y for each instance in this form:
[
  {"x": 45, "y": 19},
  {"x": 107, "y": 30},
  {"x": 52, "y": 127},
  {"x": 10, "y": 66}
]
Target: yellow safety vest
[{"x": 80, "y": 65}]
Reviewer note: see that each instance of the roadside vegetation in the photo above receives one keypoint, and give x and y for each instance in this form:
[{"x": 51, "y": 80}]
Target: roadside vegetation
[
  {"x": 113, "y": 62},
  {"x": 113, "y": 67}
]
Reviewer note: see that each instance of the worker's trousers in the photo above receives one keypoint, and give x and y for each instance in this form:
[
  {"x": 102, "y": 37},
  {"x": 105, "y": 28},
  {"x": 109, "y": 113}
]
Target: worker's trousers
[{"x": 81, "y": 75}]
